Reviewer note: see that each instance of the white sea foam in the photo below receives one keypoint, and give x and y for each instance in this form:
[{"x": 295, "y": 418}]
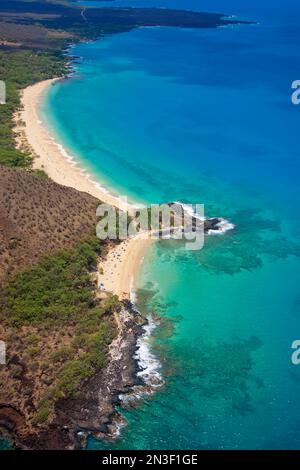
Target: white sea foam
[
  {"x": 222, "y": 227},
  {"x": 119, "y": 426},
  {"x": 149, "y": 366},
  {"x": 132, "y": 294},
  {"x": 116, "y": 427},
  {"x": 190, "y": 210},
  {"x": 147, "y": 361}
]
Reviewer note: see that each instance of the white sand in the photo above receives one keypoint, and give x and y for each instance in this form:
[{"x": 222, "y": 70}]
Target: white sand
[
  {"x": 123, "y": 262},
  {"x": 122, "y": 265},
  {"x": 50, "y": 155}
]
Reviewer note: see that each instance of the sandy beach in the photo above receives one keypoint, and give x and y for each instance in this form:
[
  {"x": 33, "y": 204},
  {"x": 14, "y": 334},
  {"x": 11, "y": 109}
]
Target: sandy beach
[
  {"x": 123, "y": 262},
  {"x": 49, "y": 155},
  {"x": 119, "y": 271}
]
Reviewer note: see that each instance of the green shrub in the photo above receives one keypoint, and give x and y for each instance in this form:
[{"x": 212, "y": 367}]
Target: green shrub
[
  {"x": 32, "y": 340},
  {"x": 62, "y": 354},
  {"x": 33, "y": 350},
  {"x": 16, "y": 371},
  {"x": 40, "y": 174},
  {"x": 41, "y": 416},
  {"x": 59, "y": 288},
  {"x": 72, "y": 375},
  {"x": 80, "y": 341}
]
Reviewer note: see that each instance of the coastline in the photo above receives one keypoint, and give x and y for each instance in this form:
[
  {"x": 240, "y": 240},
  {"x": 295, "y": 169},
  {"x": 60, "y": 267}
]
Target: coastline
[
  {"x": 93, "y": 412},
  {"x": 119, "y": 270},
  {"x": 48, "y": 154},
  {"x": 122, "y": 264},
  {"x": 128, "y": 366}
]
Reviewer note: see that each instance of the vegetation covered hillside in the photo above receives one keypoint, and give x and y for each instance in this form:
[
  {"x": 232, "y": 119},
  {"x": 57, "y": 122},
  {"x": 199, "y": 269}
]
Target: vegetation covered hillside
[
  {"x": 57, "y": 335},
  {"x": 38, "y": 217}
]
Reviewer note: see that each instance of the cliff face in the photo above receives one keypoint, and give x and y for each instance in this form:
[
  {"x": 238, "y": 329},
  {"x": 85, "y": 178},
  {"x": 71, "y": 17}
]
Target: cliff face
[{"x": 38, "y": 217}]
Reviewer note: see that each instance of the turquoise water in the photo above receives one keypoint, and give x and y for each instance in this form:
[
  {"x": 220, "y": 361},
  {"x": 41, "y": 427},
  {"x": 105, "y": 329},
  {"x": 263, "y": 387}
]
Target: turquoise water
[
  {"x": 164, "y": 114},
  {"x": 4, "y": 444}
]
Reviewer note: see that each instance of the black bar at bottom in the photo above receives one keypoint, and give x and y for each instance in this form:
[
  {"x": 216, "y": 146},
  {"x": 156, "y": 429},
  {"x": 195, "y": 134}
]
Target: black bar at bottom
[{"x": 135, "y": 459}]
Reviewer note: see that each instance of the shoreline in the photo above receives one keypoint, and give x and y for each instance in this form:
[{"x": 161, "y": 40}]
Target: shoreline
[
  {"x": 122, "y": 264},
  {"x": 50, "y": 155},
  {"x": 128, "y": 352},
  {"x": 119, "y": 270},
  {"x": 93, "y": 412}
]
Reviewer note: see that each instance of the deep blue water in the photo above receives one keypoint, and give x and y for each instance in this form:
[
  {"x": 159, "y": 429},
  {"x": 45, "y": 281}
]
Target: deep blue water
[{"x": 164, "y": 114}]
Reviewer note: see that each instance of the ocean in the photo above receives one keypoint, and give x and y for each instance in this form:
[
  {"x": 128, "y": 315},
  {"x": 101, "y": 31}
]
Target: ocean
[{"x": 204, "y": 116}]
